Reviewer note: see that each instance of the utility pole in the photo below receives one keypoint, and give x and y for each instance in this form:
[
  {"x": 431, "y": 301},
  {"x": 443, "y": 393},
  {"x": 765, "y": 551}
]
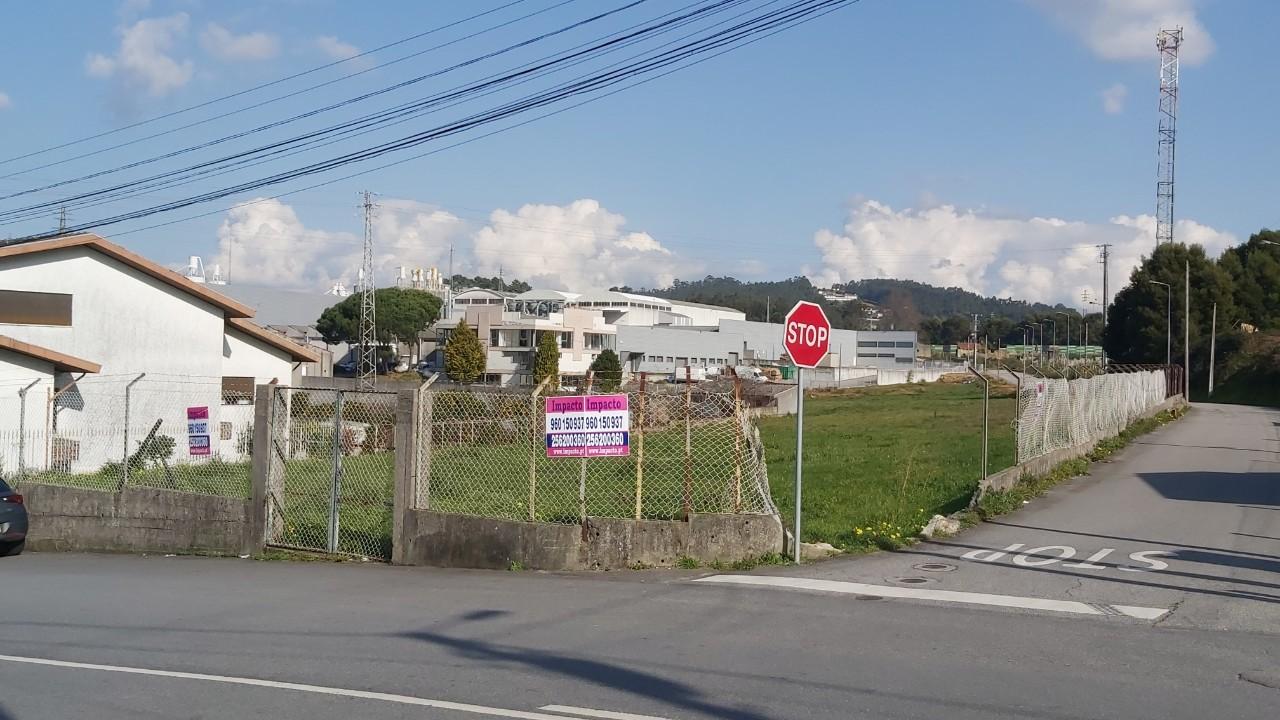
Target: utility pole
[
  {"x": 1186, "y": 333},
  {"x": 367, "y": 370},
  {"x": 62, "y": 219},
  {"x": 1167, "y": 42},
  {"x": 1068, "y": 316},
  {"x": 1106, "y": 296},
  {"x": 448, "y": 304},
  {"x": 767, "y": 309},
  {"x": 1213, "y": 346}
]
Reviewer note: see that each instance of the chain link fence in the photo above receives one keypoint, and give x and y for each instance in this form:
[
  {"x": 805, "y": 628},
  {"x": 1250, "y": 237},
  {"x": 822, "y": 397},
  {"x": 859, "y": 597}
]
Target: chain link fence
[
  {"x": 482, "y": 451},
  {"x": 111, "y": 432},
  {"x": 332, "y": 477},
  {"x": 1056, "y": 413}
]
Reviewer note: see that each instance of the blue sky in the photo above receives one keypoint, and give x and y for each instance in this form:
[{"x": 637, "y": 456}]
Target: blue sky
[{"x": 968, "y": 143}]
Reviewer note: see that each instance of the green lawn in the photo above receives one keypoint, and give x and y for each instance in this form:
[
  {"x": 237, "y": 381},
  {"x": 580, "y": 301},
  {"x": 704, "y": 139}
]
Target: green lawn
[{"x": 884, "y": 460}]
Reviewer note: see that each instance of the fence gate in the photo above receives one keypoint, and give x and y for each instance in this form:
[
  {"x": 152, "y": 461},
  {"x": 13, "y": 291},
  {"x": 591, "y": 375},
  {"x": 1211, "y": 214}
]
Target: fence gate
[{"x": 331, "y": 481}]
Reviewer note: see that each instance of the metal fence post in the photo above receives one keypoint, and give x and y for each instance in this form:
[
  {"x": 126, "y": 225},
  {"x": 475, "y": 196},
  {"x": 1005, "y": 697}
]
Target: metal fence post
[
  {"x": 335, "y": 488},
  {"x": 582, "y": 472},
  {"x": 124, "y": 471},
  {"x": 535, "y": 448},
  {"x": 640, "y": 449},
  {"x": 688, "y": 443},
  {"x": 22, "y": 430},
  {"x": 986, "y": 401},
  {"x": 737, "y": 444}
]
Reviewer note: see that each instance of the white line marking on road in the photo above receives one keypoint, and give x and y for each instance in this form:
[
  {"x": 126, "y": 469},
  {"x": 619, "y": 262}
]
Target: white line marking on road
[
  {"x": 298, "y": 687},
  {"x": 955, "y": 596},
  {"x": 606, "y": 714}
]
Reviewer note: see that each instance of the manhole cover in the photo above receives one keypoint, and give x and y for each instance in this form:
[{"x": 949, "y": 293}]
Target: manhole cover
[
  {"x": 934, "y": 567},
  {"x": 910, "y": 580}
]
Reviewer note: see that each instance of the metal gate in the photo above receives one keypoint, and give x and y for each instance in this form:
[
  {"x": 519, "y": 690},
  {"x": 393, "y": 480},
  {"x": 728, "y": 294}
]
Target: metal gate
[{"x": 331, "y": 481}]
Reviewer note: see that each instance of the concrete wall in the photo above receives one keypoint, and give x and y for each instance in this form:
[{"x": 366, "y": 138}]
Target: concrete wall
[
  {"x": 449, "y": 540},
  {"x": 245, "y": 356},
  {"x": 1009, "y": 477},
  {"x": 138, "y": 520}
]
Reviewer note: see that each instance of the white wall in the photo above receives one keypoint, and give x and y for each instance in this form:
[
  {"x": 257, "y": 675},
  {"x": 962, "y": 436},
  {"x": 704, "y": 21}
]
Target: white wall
[
  {"x": 126, "y": 320},
  {"x": 18, "y": 372},
  {"x": 247, "y": 356}
]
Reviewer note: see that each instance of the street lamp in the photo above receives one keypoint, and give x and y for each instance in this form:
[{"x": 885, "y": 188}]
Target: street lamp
[
  {"x": 1055, "y": 337},
  {"x": 1168, "y": 321},
  {"x": 1040, "y": 345},
  {"x": 1068, "y": 316}
]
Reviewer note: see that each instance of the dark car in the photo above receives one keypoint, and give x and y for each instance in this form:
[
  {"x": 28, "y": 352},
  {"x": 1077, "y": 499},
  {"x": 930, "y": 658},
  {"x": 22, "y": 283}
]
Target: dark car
[{"x": 13, "y": 521}]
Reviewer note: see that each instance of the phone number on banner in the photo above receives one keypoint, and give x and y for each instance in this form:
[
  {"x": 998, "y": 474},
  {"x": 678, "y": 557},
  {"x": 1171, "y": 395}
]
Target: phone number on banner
[{"x": 588, "y": 444}]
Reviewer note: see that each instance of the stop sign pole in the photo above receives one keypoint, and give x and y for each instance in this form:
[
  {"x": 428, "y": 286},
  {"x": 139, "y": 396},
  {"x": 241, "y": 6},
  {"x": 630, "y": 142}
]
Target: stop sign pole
[{"x": 807, "y": 338}]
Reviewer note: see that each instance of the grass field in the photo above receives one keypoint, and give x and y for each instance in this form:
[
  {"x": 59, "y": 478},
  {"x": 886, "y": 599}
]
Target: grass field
[{"x": 879, "y": 462}]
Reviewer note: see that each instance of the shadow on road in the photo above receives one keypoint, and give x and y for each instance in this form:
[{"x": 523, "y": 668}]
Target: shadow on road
[
  {"x": 1005, "y": 523},
  {"x": 1254, "y": 488},
  {"x": 596, "y": 672}
]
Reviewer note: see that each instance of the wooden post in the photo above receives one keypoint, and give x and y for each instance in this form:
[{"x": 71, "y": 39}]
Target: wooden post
[
  {"x": 535, "y": 448},
  {"x": 582, "y": 472},
  {"x": 737, "y": 444},
  {"x": 639, "y": 425},
  {"x": 688, "y": 442}
]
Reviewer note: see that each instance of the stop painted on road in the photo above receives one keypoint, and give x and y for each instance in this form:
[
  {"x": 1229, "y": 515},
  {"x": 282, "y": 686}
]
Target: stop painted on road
[{"x": 1045, "y": 555}]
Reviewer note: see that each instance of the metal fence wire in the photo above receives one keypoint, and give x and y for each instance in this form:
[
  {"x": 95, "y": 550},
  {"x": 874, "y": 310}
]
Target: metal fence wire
[
  {"x": 332, "y": 471},
  {"x": 1055, "y": 413},
  {"x": 111, "y": 432},
  {"x": 482, "y": 451}
]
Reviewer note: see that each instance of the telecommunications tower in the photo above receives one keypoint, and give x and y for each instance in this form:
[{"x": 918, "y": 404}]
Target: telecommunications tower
[
  {"x": 1167, "y": 42},
  {"x": 366, "y": 369}
]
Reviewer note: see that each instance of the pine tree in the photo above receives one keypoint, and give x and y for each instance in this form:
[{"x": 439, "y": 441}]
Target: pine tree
[
  {"x": 464, "y": 357},
  {"x": 608, "y": 370},
  {"x": 546, "y": 360}
]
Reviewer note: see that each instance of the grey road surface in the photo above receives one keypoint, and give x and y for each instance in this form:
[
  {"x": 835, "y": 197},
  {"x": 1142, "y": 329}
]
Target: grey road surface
[{"x": 157, "y": 637}]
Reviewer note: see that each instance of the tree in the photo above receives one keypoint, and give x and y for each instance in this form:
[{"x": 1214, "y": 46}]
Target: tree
[
  {"x": 1254, "y": 268},
  {"x": 464, "y": 357},
  {"x": 546, "y": 359},
  {"x": 608, "y": 370},
  {"x": 462, "y": 282},
  {"x": 401, "y": 314}
]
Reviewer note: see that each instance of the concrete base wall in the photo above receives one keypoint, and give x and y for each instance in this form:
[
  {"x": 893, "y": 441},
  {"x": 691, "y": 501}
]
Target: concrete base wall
[
  {"x": 1007, "y": 478},
  {"x": 444, "y": 539},
  {"x": 138, "y": 520}
]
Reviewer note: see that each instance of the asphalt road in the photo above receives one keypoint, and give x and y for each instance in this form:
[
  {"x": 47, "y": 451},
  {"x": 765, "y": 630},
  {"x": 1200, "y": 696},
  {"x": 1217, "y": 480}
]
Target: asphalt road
[{"x": 157, "y": 637}]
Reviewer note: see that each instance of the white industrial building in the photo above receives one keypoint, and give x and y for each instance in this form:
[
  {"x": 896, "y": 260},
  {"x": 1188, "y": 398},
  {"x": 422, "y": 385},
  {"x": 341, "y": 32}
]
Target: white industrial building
[{"x": 83, "y": 321}]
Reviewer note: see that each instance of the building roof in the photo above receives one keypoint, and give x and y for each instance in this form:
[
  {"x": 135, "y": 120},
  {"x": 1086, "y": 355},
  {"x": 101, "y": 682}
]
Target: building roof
[
  {"x": 60, "y": 361},
  {"x": 539, "y": 295},
  {"x": 619, "y": 298},
  {"x": 686, "y": 303},
  {"x": 230, "y": 307},
  {"x": 299, "y": 353},
  {"x": 277, "y": 306}
]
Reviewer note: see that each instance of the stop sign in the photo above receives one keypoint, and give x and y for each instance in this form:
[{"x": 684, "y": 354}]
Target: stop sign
[{"x": 807, "y": 334}]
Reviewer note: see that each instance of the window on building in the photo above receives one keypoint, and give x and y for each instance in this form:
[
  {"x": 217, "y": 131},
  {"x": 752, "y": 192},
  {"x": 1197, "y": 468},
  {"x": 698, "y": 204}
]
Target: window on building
[
  {"x": 670, "y": 359},
  {"x": 885, "y": 343},
  {"x": 599, "y": 341},
  {"x": 494, "y": 339},
  {"x": 904, "y": 344},
  {"x": 866, "y": 355},
  {"x": 566, "y": 341},
  {"x": 526, "y": 338},
  {"x": 904, "y": 360},
  {"x": 885, "y": 355},
  {"x": 866, "y": 343},
  {"x": 237, "y": 390},
  {"x": 18, "y": 307}
]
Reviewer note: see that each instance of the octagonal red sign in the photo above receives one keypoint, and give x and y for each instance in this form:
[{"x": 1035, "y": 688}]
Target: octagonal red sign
[{"x": 806, "y": 334}]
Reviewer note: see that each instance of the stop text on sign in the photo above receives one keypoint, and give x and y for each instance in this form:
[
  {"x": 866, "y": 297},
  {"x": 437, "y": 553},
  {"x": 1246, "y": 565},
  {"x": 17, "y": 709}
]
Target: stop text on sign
[
  {"x": 588, "y": 426},
  {"x": 810, "y": 335}
]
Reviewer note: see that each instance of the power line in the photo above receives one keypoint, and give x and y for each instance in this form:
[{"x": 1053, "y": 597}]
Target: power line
[
  {"x": 262, "y": 86},
  {"x": 778, "y": 19},
  {"x": 712, "y": 46}
]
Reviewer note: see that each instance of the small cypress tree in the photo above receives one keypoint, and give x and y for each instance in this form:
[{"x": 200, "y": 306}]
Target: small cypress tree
[
  {"x": 464, "y": 357},
  {"x": 546, "y": 360},
  {"x": 608, "y": 370}
]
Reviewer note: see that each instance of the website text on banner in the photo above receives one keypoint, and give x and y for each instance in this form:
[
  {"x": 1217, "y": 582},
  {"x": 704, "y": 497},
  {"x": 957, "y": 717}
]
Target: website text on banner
[{"x": 588, "y": 426}]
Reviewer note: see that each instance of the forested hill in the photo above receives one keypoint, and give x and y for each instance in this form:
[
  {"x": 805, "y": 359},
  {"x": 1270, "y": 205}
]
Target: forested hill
[
  {"x": 932, "y": 301},
  {"x": 905, "y": 302}
]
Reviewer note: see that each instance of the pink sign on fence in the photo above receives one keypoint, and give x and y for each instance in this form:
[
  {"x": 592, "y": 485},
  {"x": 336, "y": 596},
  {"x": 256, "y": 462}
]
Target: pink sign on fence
[{"x": 588, "y": 426}]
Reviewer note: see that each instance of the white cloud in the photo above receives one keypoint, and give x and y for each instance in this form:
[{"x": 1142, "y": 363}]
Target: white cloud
[
  {"x": 1126, "y": 29},
  {"x": 1037, "y": 259},
  {"x": 269, "y": 245},
  {"x": 5, "y": 102},
  {"x": 132, "y": 8},
  {"x": 335, "y": 48},
  {"x": 226, "y": 45},
  {"x": 1113, "y": 99},
  {"x": 576, "y": 246},
  {"x": 144, "y": 60}
]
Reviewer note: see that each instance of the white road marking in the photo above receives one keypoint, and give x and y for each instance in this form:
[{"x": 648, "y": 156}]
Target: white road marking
[
  {"x": 1041, "y": 557},
  {"x": 297, "y": 687},
  {"x": 606, "y": 714},
  {"x": 955, "y": 596}
]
